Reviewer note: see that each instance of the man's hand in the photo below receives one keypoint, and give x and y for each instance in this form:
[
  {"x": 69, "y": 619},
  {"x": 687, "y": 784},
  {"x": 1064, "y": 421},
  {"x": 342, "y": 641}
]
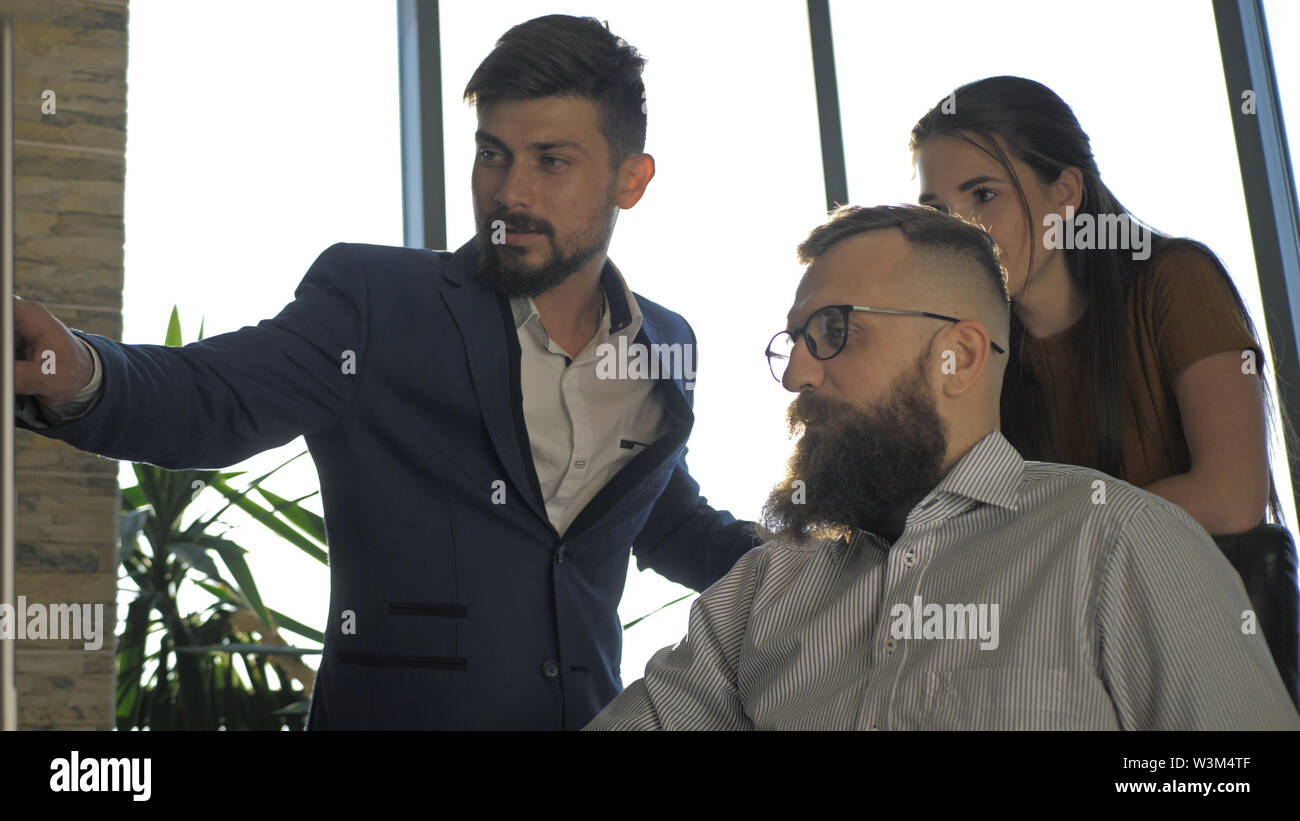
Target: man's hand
[{"x": 49, "y": 362}]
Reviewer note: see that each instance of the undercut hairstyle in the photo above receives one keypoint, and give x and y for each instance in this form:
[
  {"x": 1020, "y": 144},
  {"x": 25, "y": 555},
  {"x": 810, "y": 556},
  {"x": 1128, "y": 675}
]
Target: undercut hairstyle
[
  {"x": 927, "y": 231},
  {"x": 558, "y": 56}
]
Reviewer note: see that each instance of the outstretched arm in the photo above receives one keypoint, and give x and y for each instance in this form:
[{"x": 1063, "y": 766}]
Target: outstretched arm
[{"x": 218, "y": 401}]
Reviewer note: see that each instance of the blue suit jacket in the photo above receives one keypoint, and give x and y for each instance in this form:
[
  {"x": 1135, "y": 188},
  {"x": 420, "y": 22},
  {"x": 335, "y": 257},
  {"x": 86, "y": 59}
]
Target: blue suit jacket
[{"x": 467, "y": 614}]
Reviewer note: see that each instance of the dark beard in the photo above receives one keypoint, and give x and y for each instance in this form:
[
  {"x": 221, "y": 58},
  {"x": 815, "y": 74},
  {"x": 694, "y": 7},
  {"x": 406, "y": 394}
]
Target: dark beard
[
  {"x": 858, "y": 467},
  {"x": 501, "y": 266}
]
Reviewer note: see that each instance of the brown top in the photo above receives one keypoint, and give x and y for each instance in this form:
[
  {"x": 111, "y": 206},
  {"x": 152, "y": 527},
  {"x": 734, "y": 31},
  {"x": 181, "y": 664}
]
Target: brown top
[{"x": 1180, "y": 311}]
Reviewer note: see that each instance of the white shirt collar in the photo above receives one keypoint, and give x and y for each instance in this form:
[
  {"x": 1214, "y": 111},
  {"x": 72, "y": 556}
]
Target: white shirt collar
[{"x": 525, "y": 310}]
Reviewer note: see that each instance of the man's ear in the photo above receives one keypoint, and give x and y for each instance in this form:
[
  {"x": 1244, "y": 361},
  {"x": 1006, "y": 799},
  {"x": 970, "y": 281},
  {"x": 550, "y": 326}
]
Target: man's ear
[
  {"x": 964, "y": 352},
  {"x": 634, "y": 174}
]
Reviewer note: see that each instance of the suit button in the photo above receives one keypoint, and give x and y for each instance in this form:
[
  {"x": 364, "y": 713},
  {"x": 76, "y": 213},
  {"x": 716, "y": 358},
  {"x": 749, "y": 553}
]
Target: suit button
[
  {"x": 561, "y": 554},
  {"x": 550, "y": 668}
]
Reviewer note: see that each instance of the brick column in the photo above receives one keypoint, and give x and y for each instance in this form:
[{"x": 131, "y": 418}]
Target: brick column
[{"x": 69, "y": 170}]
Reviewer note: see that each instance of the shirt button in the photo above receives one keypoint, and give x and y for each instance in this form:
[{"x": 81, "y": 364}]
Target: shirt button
[
  {"x": 562, "y": 554},
  {"x": 875, "y": 726},
  {"x": 550, "y": 668},
  {"x": 891, "y": 645},
  {"x": 909, "y": 559}
]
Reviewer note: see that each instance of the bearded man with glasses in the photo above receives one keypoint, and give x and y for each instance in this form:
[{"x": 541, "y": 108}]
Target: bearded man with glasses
[{"x": 919, "y": 573}]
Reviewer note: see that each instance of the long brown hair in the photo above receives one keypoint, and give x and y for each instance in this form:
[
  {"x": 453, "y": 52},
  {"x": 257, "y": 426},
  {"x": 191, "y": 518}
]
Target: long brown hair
[{"x": 1041, "y": 131}]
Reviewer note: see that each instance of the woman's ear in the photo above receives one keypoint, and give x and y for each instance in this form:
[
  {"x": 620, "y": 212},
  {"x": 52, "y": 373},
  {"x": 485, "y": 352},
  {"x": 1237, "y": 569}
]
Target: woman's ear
[{"x": 1068, "y": 188}]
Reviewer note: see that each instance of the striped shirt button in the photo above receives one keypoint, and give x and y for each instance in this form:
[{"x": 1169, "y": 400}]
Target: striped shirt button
[
  {"x": 891, "y": 645},
  {"x": 909, "y": 559}
]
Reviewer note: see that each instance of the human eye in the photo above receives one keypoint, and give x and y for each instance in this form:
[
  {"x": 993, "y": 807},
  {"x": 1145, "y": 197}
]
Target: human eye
[
  {"x": 980, "y": 197},
  {"x": 489, "y": 155},
  {"x": 833, "y": 330},
  {"x": 553, "y": 163},
  {"x": 842, "y": 332}
]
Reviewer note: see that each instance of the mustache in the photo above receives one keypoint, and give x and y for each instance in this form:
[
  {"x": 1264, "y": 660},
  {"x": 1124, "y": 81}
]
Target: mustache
[
  {"x": 518, "y": 222},
  {"x": 808, "y": 410}
]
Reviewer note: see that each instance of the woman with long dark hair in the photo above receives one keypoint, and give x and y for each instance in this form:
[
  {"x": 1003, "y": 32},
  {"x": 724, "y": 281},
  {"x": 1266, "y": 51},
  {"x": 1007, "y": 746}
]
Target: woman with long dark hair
[{"x": 1131, "y": 351}]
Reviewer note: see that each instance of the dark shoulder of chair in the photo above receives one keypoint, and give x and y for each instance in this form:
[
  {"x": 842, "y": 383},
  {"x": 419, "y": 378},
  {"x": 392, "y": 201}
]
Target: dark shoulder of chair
[{"x": 1265, "y": 558}]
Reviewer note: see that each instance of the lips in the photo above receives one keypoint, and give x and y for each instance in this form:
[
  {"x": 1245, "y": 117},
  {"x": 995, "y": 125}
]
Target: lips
[{"x": 520, "y": 237}]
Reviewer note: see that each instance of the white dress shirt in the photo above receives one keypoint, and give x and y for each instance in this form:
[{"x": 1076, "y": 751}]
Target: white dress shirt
[{"x": 582, "y": 429}]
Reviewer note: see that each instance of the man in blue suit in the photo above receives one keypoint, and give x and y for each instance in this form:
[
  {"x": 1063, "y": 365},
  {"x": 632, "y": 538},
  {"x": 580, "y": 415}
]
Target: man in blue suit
[{"x": 485, "y": 463}]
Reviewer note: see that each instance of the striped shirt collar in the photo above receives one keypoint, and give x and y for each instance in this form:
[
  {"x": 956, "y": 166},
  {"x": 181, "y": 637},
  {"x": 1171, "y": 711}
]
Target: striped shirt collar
[{"x": 989, "y": 473}]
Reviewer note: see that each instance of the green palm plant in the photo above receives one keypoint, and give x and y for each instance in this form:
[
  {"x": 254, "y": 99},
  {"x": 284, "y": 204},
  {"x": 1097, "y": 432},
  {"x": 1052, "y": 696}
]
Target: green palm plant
[{"x": 179, "y": 670}]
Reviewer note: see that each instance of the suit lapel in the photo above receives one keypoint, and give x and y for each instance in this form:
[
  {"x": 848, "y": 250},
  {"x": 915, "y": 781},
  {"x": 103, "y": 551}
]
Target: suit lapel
[{"x": 477, "y": 313}]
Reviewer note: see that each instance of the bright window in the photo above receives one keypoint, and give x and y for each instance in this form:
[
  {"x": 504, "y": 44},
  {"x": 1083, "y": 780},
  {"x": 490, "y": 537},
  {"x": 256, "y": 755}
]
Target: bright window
[
  {"x": 1146, "y": 85},
  {"x": 259, "y": 134}
]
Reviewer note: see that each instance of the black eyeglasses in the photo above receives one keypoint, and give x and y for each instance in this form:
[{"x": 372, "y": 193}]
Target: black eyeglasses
[{"x": 826, "y": 332}]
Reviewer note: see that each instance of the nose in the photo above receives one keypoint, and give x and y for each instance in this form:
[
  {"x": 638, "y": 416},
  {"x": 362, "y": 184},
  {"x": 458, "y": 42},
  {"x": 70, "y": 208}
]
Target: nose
[
  {"x": 517, "y": 187},
  {"x": 803, "y": 371}
]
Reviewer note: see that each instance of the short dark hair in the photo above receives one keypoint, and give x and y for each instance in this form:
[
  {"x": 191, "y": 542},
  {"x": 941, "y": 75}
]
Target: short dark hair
[
  {"x": 559, "y": 55},
  {"x": 923, "y": 227}
]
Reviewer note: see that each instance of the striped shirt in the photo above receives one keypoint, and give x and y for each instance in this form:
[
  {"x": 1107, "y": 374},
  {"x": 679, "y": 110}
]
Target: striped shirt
[{"x": 1020, "y": 595}]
